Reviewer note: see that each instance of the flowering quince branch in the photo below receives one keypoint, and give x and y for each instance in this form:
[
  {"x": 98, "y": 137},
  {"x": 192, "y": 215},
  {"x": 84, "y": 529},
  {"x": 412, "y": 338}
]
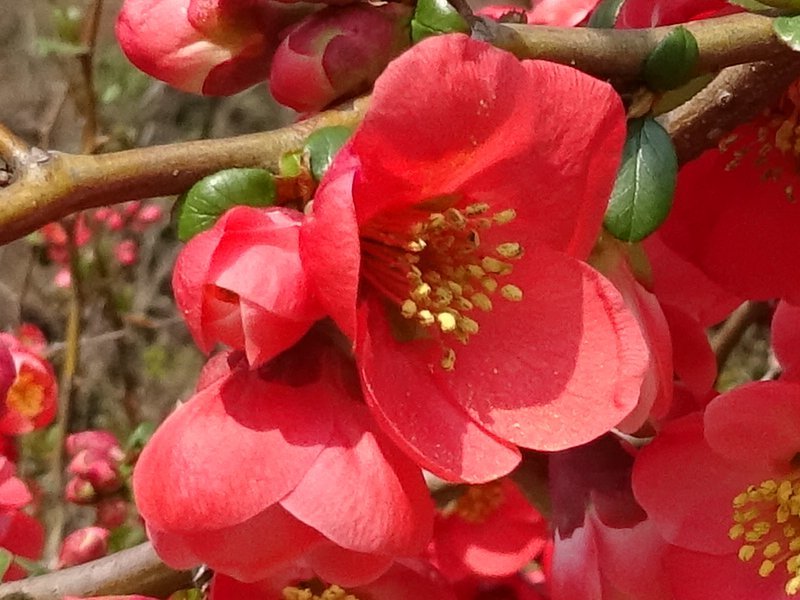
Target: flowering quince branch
[
  {"x": 136, "y": 570},
  {"x": 48, "y": 186}
]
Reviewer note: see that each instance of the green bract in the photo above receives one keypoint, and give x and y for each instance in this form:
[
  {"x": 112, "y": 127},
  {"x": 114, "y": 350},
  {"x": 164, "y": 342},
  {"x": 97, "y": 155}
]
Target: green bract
[
  {"x": 210, "y": 197},
  {"x": 645, "y": 185},
  {"x": 435, "y": 17}
]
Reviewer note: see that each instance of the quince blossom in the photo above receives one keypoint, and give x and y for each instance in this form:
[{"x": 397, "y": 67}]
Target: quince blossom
[
  {"x": 447, "y": 241},
  {"x": 30, "y": 402}
]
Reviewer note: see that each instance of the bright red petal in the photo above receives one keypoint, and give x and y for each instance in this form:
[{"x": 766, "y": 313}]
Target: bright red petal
[
  {"x": 557, "y": 171},
  {"x": 786, "y": 339},
  {"x": 241, "y": 429},
  {"x": 345, "y": 567},
  {"x": 380, "y": 505}
]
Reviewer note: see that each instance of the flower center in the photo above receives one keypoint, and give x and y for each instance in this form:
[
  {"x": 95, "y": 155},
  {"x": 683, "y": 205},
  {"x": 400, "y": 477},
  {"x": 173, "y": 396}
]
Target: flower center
[
  {"x": 479, "y": 502},
  {"x": 332, "y": 593},
  {"x": 437, "y": 271},
  {"x": 767, "y": 519},
  {"x": 26, "y": 396},
  {"x": 777, "y": 137}
]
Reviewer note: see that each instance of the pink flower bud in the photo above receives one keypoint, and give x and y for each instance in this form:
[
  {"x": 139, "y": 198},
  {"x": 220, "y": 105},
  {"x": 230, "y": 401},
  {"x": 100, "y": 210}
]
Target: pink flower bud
[
  {"x": 82, "y": 546},
  {"x": 126, "y": 252},
  {"x": 111, "y": 512},
  {"x": 337, "y": 53},
  {"x": 98, "y": 470},
  {"x": 149, "y": 214},
  {"x": 114, "y": 221},
  {"x": 98, "y": 440},
  {"x": 212, "y": 47},
  {"x": 80, "y": 491}
]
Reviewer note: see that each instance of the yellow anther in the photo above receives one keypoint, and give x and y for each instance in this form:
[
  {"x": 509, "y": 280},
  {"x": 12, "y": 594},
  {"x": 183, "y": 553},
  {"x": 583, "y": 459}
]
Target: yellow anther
[
  {"x": 736, "y": 531},
  {"x": 794, "y": 545},
  {"x": 463, "y": 304},
  {"x": 421, "y": 292},
  {"x": 426, "y": 317},
  {"x": 511, "y": 292},
  {"x": 481, "y": 301},
  {"x": 433, "y": 277},
  {"x": 476, "y": 209},
  {"x": 782, "y": 514},
  {"x": 747, "y": 552},
  {"x": 447, "y": 322},
  {"x": 455, "y": 288},
  {"x": 467, "y": 325},
  {"x": 408, "y": 309},
  {"x": 417, "y": 245},
  {"x": 509, "y": 250},
  {"x": 740, "y": 500},
  {"x": 505, "y": 216},
  {"x": 772, "y": 550},
  {"x": 793, "y": 564},
  {"x": 789, "y": 531},
  {"x": 475, "y": 271},
  {"x": 489, "y": 284},
  {"x": 492, "y": 265},
  {"x": 793, "y": 586},
  {"x": 766, "y": 568}
]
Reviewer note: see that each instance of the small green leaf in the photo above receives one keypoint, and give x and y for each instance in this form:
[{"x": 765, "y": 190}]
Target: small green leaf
[
  {"x": 291, "y": 164},
  {"x": 435, "y": 17},
  {"x": 6, "y": 558},
  {"x": 642, "y": 195},
  {"x": 788, "y": 31},
  {"x": 751, "y": 5},
  {"x": 605, "y": 15},
  {"x": 322, "y": 146},
  {"x": 210, "y": 197},
  {"x": 672, "y": 61}
]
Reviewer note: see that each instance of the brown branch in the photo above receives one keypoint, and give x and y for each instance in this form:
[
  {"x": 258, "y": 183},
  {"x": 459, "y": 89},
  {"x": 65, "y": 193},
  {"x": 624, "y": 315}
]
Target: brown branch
[
  {"x": 91, "y": 24},
  {"x": 619, "y": 54},
  {"x": 736, "y": 95},
  {"x": 730, "y": 333},
  {"x": 50, "y": 186},
  {"x": 134, "y": 571}
]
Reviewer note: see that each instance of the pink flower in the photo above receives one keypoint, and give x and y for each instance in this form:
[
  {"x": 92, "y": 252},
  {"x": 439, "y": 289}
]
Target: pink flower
[
  {"x": 491, "y": 530},
  {"x": 562, "y": 13},
  {"x": 448, "y": 244},
  {"x": 337, "y": 53},
  {"x": 324, "y": 486},
  {"x": 126, "y": 252},
  {"x": 722, "y": 488},
  {"x": 30, "y": 402},
  {"x": 82, "y": 546},
  {"x": 650, "y": 13},
  {"x": 212, "y": 47},
  {"x": 241, "y": 283}
]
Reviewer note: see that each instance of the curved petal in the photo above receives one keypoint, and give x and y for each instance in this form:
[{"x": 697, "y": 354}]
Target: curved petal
[
  {"x": 345, "y": 567},
  {"x": 693, "y": 359},
  {"x": 687, "y": 489},
  {"x": 380, "y": 505},
  {"x": 329, "y": 243},
  {"x": 557, "y": 171},
  {"x": 191, "y": 475},
  {"x": 413, "y": 409},
  {"x": 557, "y": 369},
  {"x": 756, "y": 424},
  {"x": 248, "y": 551},
  {"x": 786, "y": 339},
  {"x": 407, "y": 579}
]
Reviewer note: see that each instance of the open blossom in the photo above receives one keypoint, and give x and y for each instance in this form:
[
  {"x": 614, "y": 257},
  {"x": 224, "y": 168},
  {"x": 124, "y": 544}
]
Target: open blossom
[
  {"x": 30, "y": 401},
  {"x": 212, "y": 47},
  {"x": 448, "y": 244},
  {"x": 331, "y": 494},
  {"x": 20, "y": 534},
  {"x": 722, "y": 488},
  {"x": 337, "y": 53},
  {"x": 736, "y": 214},
  {"x": 491, "y": 530},
  {"x": 241, "y": 283}
]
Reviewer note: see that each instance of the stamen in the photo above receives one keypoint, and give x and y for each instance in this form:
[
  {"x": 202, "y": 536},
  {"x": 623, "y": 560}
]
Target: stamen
[
  {"x": 334, "y": 592},
  {"x": 478, "y": 502},
  {"x": 26, "y": 395}
]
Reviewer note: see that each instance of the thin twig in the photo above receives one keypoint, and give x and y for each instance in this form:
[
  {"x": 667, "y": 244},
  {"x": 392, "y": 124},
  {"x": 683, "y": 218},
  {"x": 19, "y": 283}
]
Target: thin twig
[
  {"x": 134, "y": 571},
  {"x": 91, "y": 23}
]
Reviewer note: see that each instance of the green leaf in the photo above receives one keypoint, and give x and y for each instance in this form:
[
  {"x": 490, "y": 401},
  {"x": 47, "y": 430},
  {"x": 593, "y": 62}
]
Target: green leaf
[
  {"x": 672, "y": 61},
  {"x": 751, "y": 5},
  {"x": 605, "y": 15},
  {"x": 6, "y": 558},
  {"x": 322, "y": 146},
  {"x": 291, "y": 164},
  {"x": 210, "y": 197},
  {"x": 435, "y": 17},
  {"x": 642, "y": 195},
  {"x": 788, "y": 31}
]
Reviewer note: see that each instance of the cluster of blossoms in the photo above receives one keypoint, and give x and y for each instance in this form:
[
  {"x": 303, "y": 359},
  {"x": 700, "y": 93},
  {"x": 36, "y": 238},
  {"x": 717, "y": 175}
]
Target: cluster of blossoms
[
  {"x": 28, "y": 392},
  {"x": 448, "y": 302},
  {"x": 121, "y": 225}
]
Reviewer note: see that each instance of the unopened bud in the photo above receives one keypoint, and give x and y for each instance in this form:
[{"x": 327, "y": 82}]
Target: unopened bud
[
  {"x": 83, "y": 545},
  {"x": 337, "y": 53}
]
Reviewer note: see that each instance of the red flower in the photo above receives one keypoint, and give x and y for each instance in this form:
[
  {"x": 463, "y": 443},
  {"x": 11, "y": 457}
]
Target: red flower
[
  {"x": 490, "y": 531},
  {"x": 650, "y": 13},
  {"x": 241, "y": 283},
  {"x": 30, "y": 402},
  {"x": 447, "y": 242},
  {"x": 287, "y": 454},
  {"x": 722, "y": 487},
  {"x": 20, "y": 534},
  {"x": 212, "y": 47},
  {"x": 736, "y": 214}
]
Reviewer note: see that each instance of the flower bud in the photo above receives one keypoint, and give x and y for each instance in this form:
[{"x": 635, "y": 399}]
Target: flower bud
[
  {"x": 82, "y": 546},
  {"x": 98, "y": 441},
  {"x": 111, "y": 512},
  {"x": 211, "y": 47},
  {"x": 337, "y": 53},
  {"x": 80, "y": 491}
]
